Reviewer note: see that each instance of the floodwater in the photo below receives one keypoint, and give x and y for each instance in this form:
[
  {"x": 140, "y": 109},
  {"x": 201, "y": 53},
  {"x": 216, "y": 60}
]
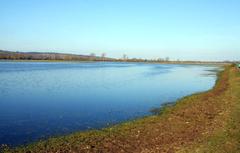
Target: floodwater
[{"x": 43, "y": 99}]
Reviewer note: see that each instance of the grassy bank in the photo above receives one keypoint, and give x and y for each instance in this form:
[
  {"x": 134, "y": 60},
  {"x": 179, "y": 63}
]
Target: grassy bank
[{"x": 203, "y": 122}]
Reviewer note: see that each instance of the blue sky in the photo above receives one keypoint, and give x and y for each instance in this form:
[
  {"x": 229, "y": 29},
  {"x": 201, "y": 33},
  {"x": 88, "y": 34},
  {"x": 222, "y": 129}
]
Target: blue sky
[{"x": 179, "y": 29}]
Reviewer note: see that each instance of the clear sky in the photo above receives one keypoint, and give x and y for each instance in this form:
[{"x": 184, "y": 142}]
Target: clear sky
[{"x": 180, "y": 29}]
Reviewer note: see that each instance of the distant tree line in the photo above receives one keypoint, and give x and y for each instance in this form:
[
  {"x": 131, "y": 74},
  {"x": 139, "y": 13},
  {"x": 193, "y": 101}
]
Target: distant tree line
[{"x": 9, "y": 55}]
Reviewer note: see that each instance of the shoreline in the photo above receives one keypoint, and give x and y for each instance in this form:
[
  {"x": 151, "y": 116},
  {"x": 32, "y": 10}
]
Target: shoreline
[{"x": 139, "y": 135}]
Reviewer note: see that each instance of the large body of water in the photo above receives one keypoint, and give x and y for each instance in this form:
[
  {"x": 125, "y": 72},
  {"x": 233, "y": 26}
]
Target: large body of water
[{"x": 42, "y": 99}]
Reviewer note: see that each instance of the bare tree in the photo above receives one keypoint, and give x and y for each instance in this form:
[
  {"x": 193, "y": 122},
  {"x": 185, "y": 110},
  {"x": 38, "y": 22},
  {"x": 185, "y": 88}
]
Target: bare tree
[
  {"x": 103, "y": 56},
  {"x": 125, "y": 57},
  {"x": 93, "y": 55},
  {"x": 160, "y": 59},
  {"x": 167, "y": 59}
]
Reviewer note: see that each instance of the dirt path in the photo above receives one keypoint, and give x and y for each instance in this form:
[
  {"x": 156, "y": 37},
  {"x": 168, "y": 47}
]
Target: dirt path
[{"x": 202, "y": 122}]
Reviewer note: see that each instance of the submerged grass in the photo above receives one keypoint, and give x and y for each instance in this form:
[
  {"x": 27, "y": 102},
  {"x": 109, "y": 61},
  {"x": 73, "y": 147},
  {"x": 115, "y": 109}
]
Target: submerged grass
[
  {"x": 203, "y": 122},
  {"x": 162, "y": 109}
]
